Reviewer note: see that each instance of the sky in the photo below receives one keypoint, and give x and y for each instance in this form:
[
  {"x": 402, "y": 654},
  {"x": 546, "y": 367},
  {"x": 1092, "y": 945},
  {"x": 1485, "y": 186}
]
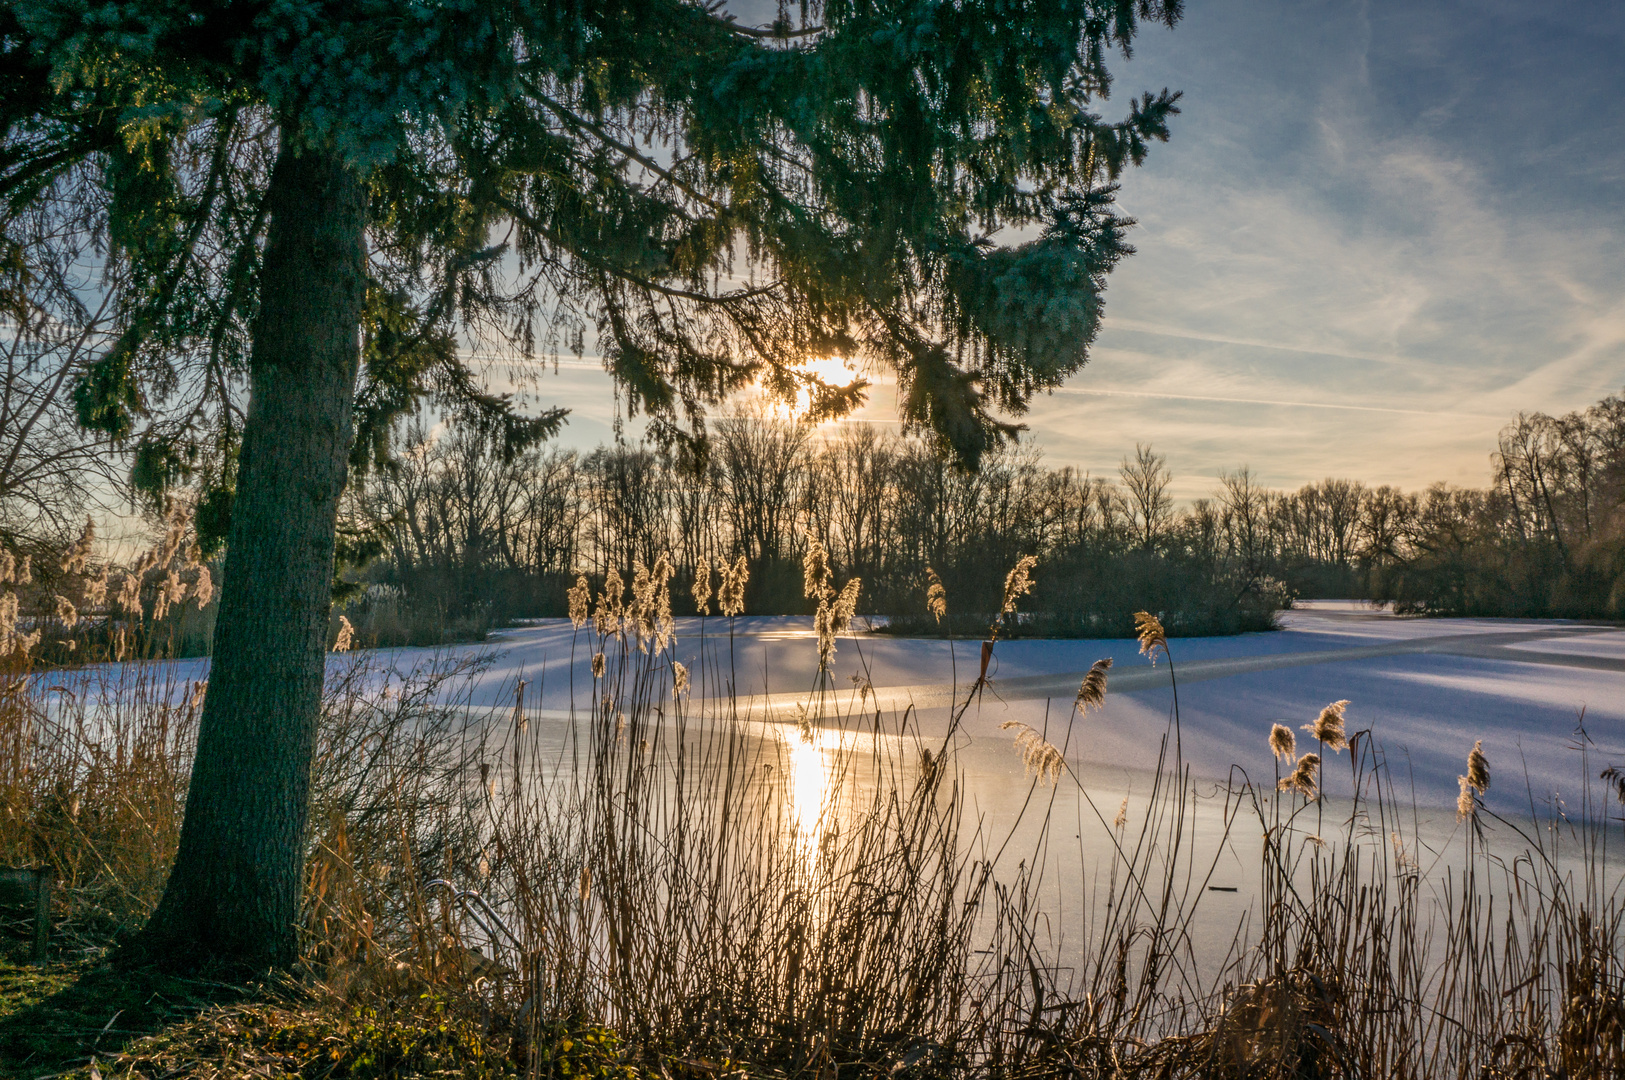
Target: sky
[{"x": 1378, "y": 232}]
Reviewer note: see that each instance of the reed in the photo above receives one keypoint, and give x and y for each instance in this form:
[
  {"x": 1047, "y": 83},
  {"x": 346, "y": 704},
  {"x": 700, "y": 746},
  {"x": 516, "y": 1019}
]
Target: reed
[{"x": 718, "y": 890}]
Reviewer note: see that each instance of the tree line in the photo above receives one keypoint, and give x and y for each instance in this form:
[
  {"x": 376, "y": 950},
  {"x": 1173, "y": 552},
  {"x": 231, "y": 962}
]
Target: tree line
[{"x": 455, "y": 530}]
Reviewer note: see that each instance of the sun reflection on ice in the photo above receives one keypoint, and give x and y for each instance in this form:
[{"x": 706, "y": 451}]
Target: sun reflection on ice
[{"x": 809, "y": 791}]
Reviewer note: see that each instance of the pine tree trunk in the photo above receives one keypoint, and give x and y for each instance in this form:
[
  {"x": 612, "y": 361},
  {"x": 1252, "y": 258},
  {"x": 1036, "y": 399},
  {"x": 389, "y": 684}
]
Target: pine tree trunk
[{"x": 235, "y": 889}]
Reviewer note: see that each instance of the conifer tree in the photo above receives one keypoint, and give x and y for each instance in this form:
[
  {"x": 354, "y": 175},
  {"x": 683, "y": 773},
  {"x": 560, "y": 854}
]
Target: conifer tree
[{"x": 319, "y": 206}]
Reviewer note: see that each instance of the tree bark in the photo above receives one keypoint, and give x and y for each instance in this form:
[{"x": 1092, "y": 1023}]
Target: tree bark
[{"x": 234, "y": 892}]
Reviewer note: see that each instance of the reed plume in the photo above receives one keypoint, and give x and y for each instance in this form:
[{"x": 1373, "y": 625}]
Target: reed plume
[
  {"x": 579, "y": 596},
  {"x": 95, "y": 588},
  {"x": 611, "y": 605},
  {"x": 679, "y": 679},
  {"x": 1465, "y": 804},
  {"x": 1017, "y": 583},
  {"x": 598, "y": 665},
  {"x": 66, "y": 613},
  {"x": 1092, "y": 691},
  {"x": 346, "y": 636},
  {"x": 202, "y": 589},
  {"x": 1302, "y": 778},
  {"x": 815, "y": 571},
  {"x": 1328, "y": 727},
  {"x": 75, "y": 559},
  {"x": 1039, "y": 756},
  {"x": 1122, "y": 814},
  {"x": 1478, "y": 768},
  {"x": 835, "y": 610},
  {"x": 1283, "y": 744},
  {"x": 702, "y": 589},
  {"x": 731, "y": 593},
  {"x": 1148, "y": 629},
  {"x": 936, "y": 597}
]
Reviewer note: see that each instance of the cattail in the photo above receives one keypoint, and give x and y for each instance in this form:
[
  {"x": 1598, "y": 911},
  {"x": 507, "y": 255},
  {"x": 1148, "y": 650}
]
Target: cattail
[
  {"x": 346, "y": 635},
  {"x": 936, "y": 597},
  {"x": 66, "y": 613},
  {"x": 815, "y": 571},
  {"x": 1478, "y": 768},
  {"x": 1092, "y": 691},
  {"x": 702, "y": 589},
  {"x": 679, "y": 679},
  {"x": 1328, "y": 727},
  {"x": 1465, "y": 805},
  {"x": 1122, "y": 814},
  {"x": 731, "y": 595},
  {"x": 1302, "y": 778},
  {"x": 579, "y": 596},
  {"x": 203, "y": 588},
  {"x": 598, "y": 666},
  {"x": 1148, "y": 628},
  {"x": 1039, "y": 757},
  {"x": 1017, "y": 583},
  {"x": 77, "y": 556},
  {"x": 1283, "y": 744}
]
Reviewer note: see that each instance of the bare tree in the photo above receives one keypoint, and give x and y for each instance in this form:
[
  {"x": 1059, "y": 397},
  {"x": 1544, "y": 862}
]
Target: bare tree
[
  {"x": 1146, "y": 479},
  {"x": 56, "y": 315}
]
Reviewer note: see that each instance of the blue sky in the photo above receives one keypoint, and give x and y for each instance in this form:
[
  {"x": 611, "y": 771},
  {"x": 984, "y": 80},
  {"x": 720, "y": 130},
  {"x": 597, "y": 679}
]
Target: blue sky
[{"x": 1379, "y": 230}]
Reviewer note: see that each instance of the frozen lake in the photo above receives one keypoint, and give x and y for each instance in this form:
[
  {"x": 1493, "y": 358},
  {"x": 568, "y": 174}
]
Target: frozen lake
[{"x": 1426, "y": 689}]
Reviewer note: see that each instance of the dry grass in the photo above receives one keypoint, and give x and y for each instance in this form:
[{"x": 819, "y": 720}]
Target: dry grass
[{"x": 658, "y": 886}]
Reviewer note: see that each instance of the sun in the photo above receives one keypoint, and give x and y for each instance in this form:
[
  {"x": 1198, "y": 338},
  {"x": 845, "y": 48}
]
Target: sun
[{"x": 834, "y": 370}]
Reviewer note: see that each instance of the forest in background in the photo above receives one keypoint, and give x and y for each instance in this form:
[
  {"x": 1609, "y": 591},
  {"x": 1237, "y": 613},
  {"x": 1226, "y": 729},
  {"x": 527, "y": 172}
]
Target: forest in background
[
  {"x": 452, "y": 539},
  {"x": 454, "y": 536}
]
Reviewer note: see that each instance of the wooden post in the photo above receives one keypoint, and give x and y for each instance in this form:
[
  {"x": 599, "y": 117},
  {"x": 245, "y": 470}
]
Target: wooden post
[{"x": 38, "y": 882}]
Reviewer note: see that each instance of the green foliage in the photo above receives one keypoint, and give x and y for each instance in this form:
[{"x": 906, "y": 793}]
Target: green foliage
[
  {"x": 213, "y": 520},
  {"x": 107, "y": 396},
  {"x": 160, "y": 464},
  {"x": 547, "y": 177},
  {"x": 425, "y": 1037}
]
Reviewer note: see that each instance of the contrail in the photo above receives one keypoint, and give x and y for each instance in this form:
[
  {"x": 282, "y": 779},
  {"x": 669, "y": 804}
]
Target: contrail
[{"x": 1268, "y": 401}]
